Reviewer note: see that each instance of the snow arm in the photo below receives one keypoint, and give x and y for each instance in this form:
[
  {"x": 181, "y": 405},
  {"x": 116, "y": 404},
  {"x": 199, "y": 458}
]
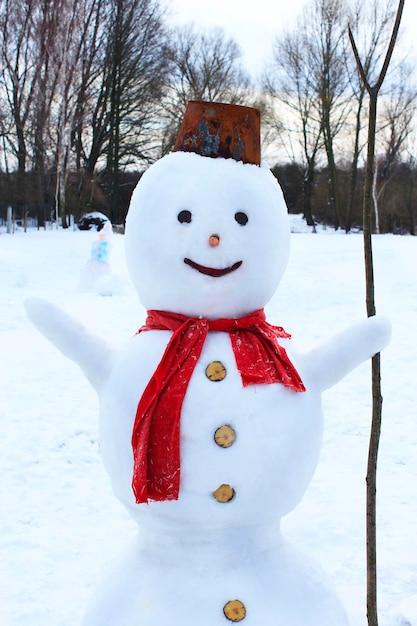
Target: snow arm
[
  {"x": 92, "y": 354},
  {"x": 333, "y": 360}
]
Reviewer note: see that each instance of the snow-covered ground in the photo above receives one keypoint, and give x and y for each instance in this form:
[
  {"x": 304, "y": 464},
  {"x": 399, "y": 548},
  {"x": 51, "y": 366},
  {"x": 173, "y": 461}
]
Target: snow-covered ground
[{"x": 61, "y": 525}]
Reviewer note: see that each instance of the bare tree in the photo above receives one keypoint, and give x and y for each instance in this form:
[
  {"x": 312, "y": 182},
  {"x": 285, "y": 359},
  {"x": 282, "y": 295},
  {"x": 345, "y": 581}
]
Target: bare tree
[
  {"x": 293, "y": 110},
  {"x": 43, "y": 37},
  {"x": 40, "y": 53},
  {"x": 311, "y": 81},
  {"x": 326, "y": 20},
  {"x": 48, "y": 39},
  {"x": 371, "y": 25},
  {"x": 396, "y": 121},
  {"x": 137, "y": 70},
  {"x": 75, "y": 16},
  {"x": 93, "y": 43},
  {"x": 19, "y": 79},
  {"x": 373, "y": 92},
  {"x": 124, "y": 70},
  {"x": 206, "y": 66}
]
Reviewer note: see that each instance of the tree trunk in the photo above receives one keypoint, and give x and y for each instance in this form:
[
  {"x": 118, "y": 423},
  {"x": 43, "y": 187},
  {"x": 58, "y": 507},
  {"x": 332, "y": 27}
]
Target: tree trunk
[
  {"x": 371, "y": 565},
  {"x": 354, "y": 169},
  {"x": 375, "y": 197},
  {"x": 112, "y": 169},
  {"x": 333, "y": 176},
  {"x": 373, "y": 91},
  {"x": 308, "y": 181}
]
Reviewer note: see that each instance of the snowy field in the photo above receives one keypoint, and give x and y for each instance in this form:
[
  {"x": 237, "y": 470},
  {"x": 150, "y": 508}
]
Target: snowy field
[{"x": 61, "y": 525}]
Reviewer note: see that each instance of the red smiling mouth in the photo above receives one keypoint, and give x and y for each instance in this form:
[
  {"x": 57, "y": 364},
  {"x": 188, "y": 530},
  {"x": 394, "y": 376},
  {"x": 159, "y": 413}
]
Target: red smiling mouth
[{"x": 212, "y": 271}]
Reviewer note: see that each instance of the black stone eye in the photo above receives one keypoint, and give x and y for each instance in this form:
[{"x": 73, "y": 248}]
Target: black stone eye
[
  {"x": 241, "y": 218},
  {"x": 184, "y": 217}
]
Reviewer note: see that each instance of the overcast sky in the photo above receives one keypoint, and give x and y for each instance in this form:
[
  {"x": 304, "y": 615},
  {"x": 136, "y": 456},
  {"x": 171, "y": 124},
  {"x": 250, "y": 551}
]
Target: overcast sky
[{"x": 254, "y": 23}]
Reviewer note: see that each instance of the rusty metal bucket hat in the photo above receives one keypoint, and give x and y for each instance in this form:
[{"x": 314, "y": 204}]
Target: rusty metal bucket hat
[{"x": 214, "y": 129}]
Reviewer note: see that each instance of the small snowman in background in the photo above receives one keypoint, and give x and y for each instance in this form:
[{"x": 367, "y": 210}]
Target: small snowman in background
[
  {"x": 96, "y": 274},
  {"x": 210, "y": 421}
]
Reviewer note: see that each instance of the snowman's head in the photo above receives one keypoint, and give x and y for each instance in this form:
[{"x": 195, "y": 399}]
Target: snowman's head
[
  {"x": 207, "y": 231},
  {"x": 206, "y": 237}
]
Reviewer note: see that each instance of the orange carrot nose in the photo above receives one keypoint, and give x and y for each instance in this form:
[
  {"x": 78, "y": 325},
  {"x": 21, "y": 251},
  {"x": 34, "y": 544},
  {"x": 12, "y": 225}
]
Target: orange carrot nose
[{"x": 214, "y": 240}]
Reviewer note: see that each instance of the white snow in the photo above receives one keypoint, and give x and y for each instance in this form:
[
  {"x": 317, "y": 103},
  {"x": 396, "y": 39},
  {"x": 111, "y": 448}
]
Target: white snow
[{"x": 60, "y": 523}]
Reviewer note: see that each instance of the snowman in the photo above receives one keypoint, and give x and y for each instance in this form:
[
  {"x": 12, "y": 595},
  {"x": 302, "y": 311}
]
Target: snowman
[
  {"x": 210, "y": 423},
  {"x": 96, "y": 272}
]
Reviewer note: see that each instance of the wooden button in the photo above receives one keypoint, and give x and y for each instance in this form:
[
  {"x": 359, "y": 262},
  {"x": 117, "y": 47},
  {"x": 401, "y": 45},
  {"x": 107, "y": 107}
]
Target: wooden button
[
  {"x": 234, "y": 610},
  {"x": 224, "y": 493},
  {"x": 215, "y": 371},
  {"x": 225, "y": 436}
]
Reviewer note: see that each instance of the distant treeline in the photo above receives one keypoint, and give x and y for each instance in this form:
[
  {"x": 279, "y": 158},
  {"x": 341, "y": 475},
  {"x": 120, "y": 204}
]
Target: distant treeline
[
  {"x": 84, "y": 193},
  {"x": 397, "y": 202}
]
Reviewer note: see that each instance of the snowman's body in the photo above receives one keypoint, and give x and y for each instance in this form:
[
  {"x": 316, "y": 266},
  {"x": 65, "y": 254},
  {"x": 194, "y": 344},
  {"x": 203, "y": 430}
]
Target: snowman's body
[
  {"x": 269, "y": 465},
  {"x": 195, "y": 555}
]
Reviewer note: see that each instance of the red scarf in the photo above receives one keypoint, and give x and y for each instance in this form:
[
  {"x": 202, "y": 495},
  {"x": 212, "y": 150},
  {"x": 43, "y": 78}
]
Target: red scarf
[{"x": 156, "y": 432}]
